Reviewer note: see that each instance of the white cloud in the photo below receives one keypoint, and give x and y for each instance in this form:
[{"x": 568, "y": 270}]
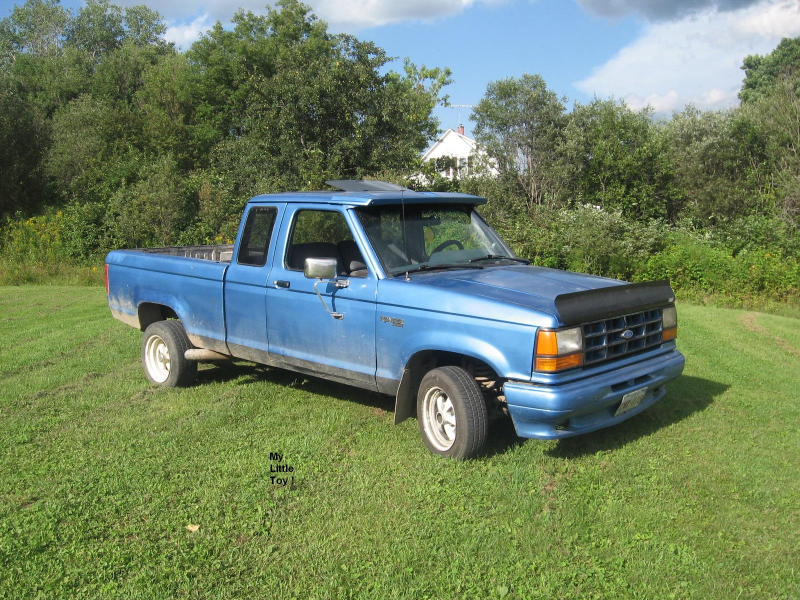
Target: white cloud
[
  {"x": 183, "y": 34},
  {"x": 694, "y": 59},
  {"x": 341, "y": 15},
  {"x": 358, "y": 14},
  {"x": 660, "y": 102}
]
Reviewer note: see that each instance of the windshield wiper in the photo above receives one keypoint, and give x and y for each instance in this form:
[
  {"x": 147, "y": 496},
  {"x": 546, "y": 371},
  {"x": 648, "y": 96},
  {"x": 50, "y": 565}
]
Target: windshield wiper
[
  {"x": 524, "y": 261},
  {"x": 418, "y": 268}
]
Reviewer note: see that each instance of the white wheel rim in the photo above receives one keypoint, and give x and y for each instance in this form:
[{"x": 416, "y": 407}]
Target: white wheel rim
[
  {"x": 439, "y": 418},
  {"x": 156, "y": 358}
]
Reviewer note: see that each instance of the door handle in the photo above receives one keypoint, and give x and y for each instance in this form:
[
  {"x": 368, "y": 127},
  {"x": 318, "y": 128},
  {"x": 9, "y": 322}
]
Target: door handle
[{"x": 282, "y": 284}]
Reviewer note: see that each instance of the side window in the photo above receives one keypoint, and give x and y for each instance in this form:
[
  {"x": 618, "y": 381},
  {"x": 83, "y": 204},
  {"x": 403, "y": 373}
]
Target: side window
[
  {"x": 324, "y": 234},
  {"x": 256, "y": 235},
  {"x": 320, "y": 226}
]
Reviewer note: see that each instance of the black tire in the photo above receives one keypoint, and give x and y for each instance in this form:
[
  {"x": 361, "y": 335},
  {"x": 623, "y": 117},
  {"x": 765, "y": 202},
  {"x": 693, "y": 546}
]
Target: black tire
[
  {"x": 171, "y": 368},
  {"x": 465, "y": 438}
]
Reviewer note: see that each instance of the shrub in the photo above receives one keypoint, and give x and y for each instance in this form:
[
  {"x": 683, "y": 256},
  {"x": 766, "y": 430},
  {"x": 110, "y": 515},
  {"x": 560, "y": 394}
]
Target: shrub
[
  {"x": 587, "y": 239},
  {"x": 34, "y": 240},
  {"x": 751, "y": 257},
  {"x": 696, "y": 263},
  {"x": 152, "y": 210},
  {"x": 85, "y": 231}
]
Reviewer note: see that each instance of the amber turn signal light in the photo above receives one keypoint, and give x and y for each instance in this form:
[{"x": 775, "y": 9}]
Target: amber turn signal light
[
  {"x": 547, "y": 343},
  {"x": 669, "y": 334},
  {"x": 558, "y": 363}
]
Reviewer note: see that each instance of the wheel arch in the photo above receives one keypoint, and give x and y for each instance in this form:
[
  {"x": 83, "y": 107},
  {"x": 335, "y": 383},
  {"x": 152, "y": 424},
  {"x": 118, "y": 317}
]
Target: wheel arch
[
  {"x": 425, "y": 360},
  {"x": 151, "y": 312}
]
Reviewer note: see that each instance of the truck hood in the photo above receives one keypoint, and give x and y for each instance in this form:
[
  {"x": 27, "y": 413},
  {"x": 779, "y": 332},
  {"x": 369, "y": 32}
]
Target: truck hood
[
  {"x": 514, "y": 281},
  {"x": 532, "y": 287},
  {"x": 524, "y": 294},
  {"x": 515, "y": 293}
]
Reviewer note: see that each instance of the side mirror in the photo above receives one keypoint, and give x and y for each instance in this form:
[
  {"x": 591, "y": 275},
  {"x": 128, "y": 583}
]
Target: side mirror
[{"x": 320, "y": 268}]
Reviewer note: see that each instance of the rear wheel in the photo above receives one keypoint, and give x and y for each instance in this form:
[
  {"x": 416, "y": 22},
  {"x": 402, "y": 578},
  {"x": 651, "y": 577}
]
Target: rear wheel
[
  {"x": 451, "y": 413},
  {"x": 163, "y": 347}
]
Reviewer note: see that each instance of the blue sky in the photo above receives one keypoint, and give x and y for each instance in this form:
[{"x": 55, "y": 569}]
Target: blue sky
[
  {"x": 661, "y": 53},
  {"x": 487, "y": 42}
]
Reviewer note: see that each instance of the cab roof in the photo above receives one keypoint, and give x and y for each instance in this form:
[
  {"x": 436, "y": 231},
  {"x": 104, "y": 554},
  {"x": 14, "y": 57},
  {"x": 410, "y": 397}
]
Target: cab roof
[{"x": 370, "y": 198}]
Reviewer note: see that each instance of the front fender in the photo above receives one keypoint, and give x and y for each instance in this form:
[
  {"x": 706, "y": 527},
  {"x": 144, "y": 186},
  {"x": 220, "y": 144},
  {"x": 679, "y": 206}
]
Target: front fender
[
  {"x": 506, "y": 347},
  {"x": 402, "y": 332},
  {"x": 414, "y": 357},
  {"x": 457, "y": 343}
]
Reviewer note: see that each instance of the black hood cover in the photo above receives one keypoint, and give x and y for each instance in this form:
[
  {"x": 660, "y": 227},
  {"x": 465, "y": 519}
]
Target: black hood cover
[{"x": 604, "y": 303}]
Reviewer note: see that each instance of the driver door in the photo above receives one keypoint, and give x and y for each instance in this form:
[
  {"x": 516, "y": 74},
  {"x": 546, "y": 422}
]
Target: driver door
[{"x": 303, "y": 335}]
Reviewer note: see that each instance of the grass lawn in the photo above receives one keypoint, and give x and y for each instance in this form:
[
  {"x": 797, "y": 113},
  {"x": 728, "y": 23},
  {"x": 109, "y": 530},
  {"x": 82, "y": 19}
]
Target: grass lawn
[{"x": 109, "y": 487}]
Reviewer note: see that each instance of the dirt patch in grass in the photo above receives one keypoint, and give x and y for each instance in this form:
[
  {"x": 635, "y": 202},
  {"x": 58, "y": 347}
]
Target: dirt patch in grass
[
  {"x": 750, "y": 321},
  {"x": 64, "y": 389}
]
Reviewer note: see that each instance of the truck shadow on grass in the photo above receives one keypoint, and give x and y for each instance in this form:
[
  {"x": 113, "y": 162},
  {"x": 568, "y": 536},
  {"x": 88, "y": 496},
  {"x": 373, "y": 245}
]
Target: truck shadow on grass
[
  {"x": 686, "y": 395},
  {"x": 244, "y": 373}
]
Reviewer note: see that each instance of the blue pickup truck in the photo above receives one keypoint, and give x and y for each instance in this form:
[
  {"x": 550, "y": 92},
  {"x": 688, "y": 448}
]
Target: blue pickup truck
[{"x": 410, "y": 294}]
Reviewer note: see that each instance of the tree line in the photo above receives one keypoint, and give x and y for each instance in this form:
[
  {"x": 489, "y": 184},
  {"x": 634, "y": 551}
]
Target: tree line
[
  {"x": 103, "y": 117},
  {"x": 111, "y": 137},
  {"x": 710, "y": 166}
]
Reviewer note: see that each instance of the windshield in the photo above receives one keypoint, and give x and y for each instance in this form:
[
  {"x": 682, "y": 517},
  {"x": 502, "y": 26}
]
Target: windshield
[{"x": 431, "y": 237}]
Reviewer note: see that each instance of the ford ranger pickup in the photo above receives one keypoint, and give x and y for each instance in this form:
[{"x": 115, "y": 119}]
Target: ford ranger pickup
[{"x": 405, "y": 293}]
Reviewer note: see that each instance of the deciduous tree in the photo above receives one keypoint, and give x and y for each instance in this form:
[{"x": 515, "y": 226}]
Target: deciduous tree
[
  {"x": 521, "y": 123},
  {"x": 764, "y": 73}
]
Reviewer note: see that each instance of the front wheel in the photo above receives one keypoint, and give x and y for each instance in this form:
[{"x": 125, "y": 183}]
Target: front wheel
[
  {"x": 163, "y": 347},
  {"x": 451, "y": 413}
]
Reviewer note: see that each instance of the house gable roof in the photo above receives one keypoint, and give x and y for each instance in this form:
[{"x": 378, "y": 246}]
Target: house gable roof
[{"x": 451, "y": 137}]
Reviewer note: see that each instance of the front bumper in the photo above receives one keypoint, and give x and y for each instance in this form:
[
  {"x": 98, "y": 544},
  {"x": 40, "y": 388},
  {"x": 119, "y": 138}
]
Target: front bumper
[{"x": 558, "y": 411}]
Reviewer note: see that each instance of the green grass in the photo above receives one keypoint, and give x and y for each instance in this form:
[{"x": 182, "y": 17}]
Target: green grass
[
  {"x": 788, "y": 307},
  {"x": 100, "y": 475}
]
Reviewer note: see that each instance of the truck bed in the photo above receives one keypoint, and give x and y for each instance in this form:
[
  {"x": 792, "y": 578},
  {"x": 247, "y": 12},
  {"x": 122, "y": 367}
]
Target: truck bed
[
  {"x": 222, "y": 253},
  {"x": 188, "y": 279}
]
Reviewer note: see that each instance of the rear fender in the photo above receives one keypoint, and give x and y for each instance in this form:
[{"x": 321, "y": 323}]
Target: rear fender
[{"x": 150, "y": 303}]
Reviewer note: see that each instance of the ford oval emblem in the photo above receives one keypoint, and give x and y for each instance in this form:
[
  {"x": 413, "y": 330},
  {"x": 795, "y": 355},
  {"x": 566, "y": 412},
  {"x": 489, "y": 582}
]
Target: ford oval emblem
[{"x": 627, "y": 334}]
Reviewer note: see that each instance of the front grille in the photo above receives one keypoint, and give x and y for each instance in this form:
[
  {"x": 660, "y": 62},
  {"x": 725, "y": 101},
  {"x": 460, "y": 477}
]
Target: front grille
[{"x": 603, "y": 340}]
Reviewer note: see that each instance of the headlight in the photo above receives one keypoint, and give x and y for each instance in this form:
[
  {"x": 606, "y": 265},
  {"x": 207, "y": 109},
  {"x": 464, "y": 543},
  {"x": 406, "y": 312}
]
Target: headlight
[
  {"x": 558, "y": 350},
  {"x": 669, "y": 323}
]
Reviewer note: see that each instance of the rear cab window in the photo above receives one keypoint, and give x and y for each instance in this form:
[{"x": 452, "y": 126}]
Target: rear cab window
[{"x": 256, "y": 236}]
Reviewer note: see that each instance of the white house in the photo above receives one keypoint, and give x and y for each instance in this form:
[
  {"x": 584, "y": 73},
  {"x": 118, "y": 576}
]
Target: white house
[{"x": 454, "y": 154}]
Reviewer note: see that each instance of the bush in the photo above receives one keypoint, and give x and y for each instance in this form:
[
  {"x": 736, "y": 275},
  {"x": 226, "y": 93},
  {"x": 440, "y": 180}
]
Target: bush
[
  {"x": 739, "y": 262},
  {"x": 690, "y": 262},
  {"x": 19, "y": 273},
  {"x": 85, "y": 233},
  {"x": 34, "y": 240},
  {"x": 750, "y": 258},
  {"x": 758, "y": 232},
  {"x": 587, "y": 239},
  {"x": 694, "y": 263},
  {"x": 37, "y": 250},
  {"x": 153, "y": 210}
]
